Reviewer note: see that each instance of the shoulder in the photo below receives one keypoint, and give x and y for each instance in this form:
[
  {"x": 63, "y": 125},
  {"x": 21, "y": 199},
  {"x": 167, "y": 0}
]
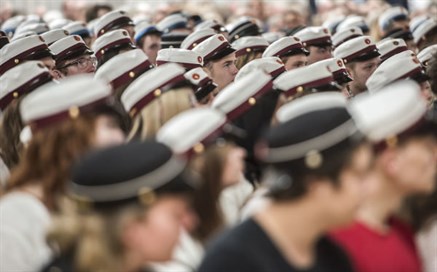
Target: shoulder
[
  {"x": 18, "y": 205},
  {"x": 234, "y": 250}
]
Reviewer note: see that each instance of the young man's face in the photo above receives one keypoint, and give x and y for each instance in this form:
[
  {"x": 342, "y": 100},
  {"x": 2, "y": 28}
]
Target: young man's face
[
  {"x": 223, "y": 71},
  {"x": 151, "y": 46},
  {"x": 413, "y": 165},
  {"x": 82, "y": 65},
  {"x": 360, "y": 72},
  {"x": 351, "y": 189},
  {"x": 319, "y": 53},
  {"x": 296, "y": 61}
]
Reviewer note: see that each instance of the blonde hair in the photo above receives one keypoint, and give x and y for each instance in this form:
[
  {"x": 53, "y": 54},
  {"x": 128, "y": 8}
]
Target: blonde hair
[
  {"x": 245, "y": 59},
  {"x": 93, "y": 238},
  {"x": 152, "y": 117}
]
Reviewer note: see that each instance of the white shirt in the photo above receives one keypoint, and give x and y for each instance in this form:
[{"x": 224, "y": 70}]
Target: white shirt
[
  {"x": 426, "y": 241},
  {"x": 24, "y": 221}
]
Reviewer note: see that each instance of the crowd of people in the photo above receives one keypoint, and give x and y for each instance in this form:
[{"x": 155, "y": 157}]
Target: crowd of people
[{"x": 193, "y": 139}]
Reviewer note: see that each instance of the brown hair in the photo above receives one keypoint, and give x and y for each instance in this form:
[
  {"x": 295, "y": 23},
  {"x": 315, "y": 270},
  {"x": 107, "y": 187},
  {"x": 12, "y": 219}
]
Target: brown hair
[
  {"x": 49, "y": 155},
  {"x": 152, "y": 117},
  {"x": 10, "y": 129},
  {"x": 210, "y": 166}
]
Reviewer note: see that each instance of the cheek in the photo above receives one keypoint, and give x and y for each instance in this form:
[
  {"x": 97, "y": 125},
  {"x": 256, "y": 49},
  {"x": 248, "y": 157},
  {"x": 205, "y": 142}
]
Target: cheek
[
  {"x": 160, "y": 236},
  {"x": 105, "y": 136}
]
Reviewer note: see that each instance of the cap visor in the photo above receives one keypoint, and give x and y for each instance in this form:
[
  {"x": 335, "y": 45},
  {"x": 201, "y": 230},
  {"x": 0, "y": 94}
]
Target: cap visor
[{"x": 222, "y": 53}]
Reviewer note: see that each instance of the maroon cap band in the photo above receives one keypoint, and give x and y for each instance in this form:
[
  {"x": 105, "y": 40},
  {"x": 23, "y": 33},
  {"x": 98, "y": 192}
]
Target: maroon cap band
[
  {"x": 120, "y": 22},
  {"x": 26, "y": 88},
  {"x": 318, "y": 41},
  {"x": 296, "y": 46},
  {"x": 247, "y": 50},
  {"x": 38, "y": 124},
  {"x": 108, "y": 46},
  {"x": 238, "y": 111},
  {"x": 66, "y": 53},
  {"x": 342, "y": 75},
  {"x": 20, "y": 57},
  {"x": 277, "y": 72},
  {"x": 393, "y": 52},
  {"x": 131, "y": 75},
  {"x": 347, "y": 39},
  {"x": 196, "y": 42},
  {"x": 137, "y": 107},
  {"x": 187, "y": 66},
  {"x": 214, "y": 52},
  {"x": 360, "y": 53},
  {"x": 318, "y": 82}
]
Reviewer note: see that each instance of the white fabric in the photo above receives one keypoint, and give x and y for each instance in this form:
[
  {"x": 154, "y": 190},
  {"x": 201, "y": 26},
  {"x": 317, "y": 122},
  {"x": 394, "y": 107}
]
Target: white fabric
[
  {"x": 427, "y": 245},
  {"x": 391, "y": 112},
  {"x": 232, "y": 200},
  {"x": 54, "y": 35},
  {"x": 61, "y": 97},
  {"x": 266, "y": 64},
  {"x": 301, "y": 76},
  {"x": 149, "y": 82},
  {"x": 4, "y": 173},
  {"x": 13, "y": 49},
  {"x": 17, "y": 76},
  {"x": 23, "y": 224},
  {"x": 257, "y": 202},
  {"x": 183, "y": 132},
  {"x": 239, "y": 92}
]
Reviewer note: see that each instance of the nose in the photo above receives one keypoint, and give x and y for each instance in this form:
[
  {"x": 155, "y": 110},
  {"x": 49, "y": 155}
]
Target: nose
[{"x": 234, "y": 69}]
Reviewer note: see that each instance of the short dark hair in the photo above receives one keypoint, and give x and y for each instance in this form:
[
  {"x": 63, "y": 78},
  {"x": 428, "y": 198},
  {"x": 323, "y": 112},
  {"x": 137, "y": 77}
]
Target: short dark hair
[
  {"x": 335, "y": 160},
  {"x": 92, "y": 11}
]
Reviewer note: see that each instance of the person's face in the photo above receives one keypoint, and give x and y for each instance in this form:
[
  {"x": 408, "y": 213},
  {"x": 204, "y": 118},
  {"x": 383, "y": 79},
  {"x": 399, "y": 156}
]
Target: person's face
[
  {"x": 158, "y": 233},
  {"x": 413, "y": 165},
  {"x": 360, "y": 72},
  {"x": 319, "y": 53},
  {"x": 49, "y": 63},
  {"x": 234, "y": 166},
  {"x": 107, "y": 132},
  {"x": 350, "y": 192},
  {"x": 151, "y": 46},
  {"x": 426, "y": 92},
  {"x": 296, "y": 61},
  {"x": 223, "y": 71},
  {"x": 82, "y": 65}
]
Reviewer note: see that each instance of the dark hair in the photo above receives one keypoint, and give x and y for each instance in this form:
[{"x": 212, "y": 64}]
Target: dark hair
[
  {"x": 430, "y": 38},
  {"x": 295, "y": 174},
  {"x": 419, "y": 210},
  {"x": 206, "y": 199},
  {"x": 109, "y": 54},
  {"x": 10, "y": 129},
  {"x": 432, "y": 73},
  {"x": 93, "y": 11}
]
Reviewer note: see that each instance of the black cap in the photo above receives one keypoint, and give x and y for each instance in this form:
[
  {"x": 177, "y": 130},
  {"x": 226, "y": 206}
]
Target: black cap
[
  {"x": 173, "y": 39},
  {"x": 309, "y": 127},
  {"x": 132, "y": 172},
  {"x": 242, "y": 28}
]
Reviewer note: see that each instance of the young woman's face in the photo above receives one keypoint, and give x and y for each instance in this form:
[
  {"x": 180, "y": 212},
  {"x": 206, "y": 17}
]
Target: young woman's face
[
  {"x": 161, "y": 227},
  {"x": 234, "y": 166},
  {"x": 107, "y": 132}
]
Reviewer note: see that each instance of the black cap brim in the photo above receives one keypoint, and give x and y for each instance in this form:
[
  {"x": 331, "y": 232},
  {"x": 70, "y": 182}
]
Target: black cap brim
[{"x": 222, "y": 53}]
